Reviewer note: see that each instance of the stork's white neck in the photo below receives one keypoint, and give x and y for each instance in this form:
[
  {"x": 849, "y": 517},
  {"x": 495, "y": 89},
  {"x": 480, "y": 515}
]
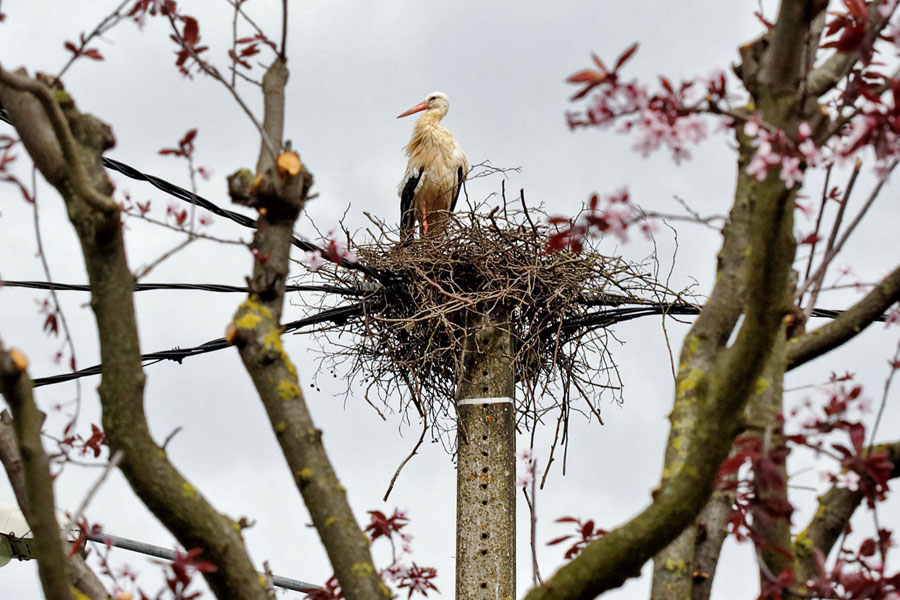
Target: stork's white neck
[{"x": 430, "y": 117}]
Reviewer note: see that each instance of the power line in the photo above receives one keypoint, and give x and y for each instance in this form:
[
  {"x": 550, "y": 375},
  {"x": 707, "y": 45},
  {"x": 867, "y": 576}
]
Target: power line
[
  {"x": 341, "y": 314},
  {"x": 206, "y": 287},
  {"x": 241, "y": 219},
  {"x": 335, "y": 315},
  {"x": 604, "y": 318},
  {"x": 167, "y": 554}
]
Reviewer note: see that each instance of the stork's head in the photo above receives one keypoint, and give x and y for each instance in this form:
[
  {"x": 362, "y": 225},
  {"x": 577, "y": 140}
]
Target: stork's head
[{"x": 436, "y": 104}]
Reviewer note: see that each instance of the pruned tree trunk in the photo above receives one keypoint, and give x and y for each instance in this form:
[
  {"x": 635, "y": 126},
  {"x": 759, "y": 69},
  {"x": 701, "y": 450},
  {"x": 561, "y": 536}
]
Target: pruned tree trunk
[{"x": 486, "y": 465}]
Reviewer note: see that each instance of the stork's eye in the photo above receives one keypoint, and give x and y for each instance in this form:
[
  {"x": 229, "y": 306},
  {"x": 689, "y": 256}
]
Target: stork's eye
[{"x": 431, "y": 98}]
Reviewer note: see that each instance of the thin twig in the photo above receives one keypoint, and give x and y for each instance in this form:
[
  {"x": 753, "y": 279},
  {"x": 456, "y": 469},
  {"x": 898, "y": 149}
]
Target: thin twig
[
  {"x": 408, "y": 458},
  {"x": 108, "y": 22},
  {"x": 829, "y": 256},
  {"x": 76, "y": 516},
  {"x": 884, "y": 395},
  {"x": 214, "y": 73}
]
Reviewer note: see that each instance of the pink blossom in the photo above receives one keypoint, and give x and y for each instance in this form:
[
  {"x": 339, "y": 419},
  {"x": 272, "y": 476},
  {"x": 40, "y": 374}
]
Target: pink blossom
[
  {"x": 680, "y": 153},
  {"x": 751, "y": 127},
  {"x": 804, "y": 131},
  {"x": 690, "y": 129},
  {"x": 337, "y": 249},
  {"x": 619, "y": 196},
  {"x": 764, "y": 158},
  {"x": 847, "y": 480},
  {"x": 765, "y": 151},
  {"x": 758, "y": 167},
  {"x": 619, "y": 219},
  {"x": 886, "y": 8},
  {"x": 882, "y": 170},
  {"x": 810, "y": 152},
  {"x": 649, "y": 227},
  {"x": 790, "y": 171},
  {"x": 313, "y": 260},
  {"x": 864, "y": 404}
]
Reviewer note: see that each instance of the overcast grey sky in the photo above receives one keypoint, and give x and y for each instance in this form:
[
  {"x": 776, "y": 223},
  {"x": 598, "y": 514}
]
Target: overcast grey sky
[{"x": 354, "y": 67}]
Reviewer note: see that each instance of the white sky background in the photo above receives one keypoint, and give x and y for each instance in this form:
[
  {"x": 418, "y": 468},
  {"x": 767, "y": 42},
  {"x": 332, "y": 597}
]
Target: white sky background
[{"x": 354, "y": 67}]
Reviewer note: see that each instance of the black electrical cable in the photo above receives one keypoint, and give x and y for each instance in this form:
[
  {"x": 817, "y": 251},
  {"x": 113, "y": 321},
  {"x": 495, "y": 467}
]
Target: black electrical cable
[
  {"x": 206, "y": 287},
  {"x": 335, "y": 315},
  {"x": 187, "y": 196}
]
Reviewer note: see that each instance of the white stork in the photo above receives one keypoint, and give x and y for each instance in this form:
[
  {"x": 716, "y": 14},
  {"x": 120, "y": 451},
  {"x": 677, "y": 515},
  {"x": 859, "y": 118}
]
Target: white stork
[{"x": 436, "y": 170}]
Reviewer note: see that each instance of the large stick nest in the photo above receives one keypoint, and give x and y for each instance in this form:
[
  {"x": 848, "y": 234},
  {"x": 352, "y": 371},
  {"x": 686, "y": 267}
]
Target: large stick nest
[{"x": 409, "y": 333}]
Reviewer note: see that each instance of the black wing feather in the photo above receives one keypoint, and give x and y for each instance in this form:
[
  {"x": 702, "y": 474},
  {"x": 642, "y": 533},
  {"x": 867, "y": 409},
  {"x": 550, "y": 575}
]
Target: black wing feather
[
  {"x": 407, "y": 214},
  {"x": 459, "y": 184}
]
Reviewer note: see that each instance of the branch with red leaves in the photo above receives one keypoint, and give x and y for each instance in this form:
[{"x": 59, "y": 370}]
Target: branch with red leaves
[
  {"x": 96, "y": 219},
  {"x": 846, "y": 326},
  {"x": 82, "y": 577},
  {"x": 40, "y": 504},
  {"x": 279, "y": 192},
  {"x": 715, "y": 380}
]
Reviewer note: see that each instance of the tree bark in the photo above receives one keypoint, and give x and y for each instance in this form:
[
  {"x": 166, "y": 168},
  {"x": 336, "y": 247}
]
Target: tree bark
[
  {"x": 27, "y": 420},
  {"x": 486, "y": 464},
  {"x": 82, "y": 577},
  {"x": 66, "y": 146},
  {"x": 279, "y": 196}
]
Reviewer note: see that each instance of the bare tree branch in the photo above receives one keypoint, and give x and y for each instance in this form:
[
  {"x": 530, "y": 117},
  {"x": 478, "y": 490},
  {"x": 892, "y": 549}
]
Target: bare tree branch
[
  {"x": 279, "y": 192},
  {"x": 836, "y": 507},
  {"x": 173, "y": 500},
  {"x": 82, "y": 576},
  {"x": 846, "y": 326},
  {"x": 27, "y": 420}
]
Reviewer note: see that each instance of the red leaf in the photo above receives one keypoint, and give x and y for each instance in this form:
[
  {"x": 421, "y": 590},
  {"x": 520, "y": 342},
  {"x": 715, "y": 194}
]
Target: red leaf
[
  {"x": 599, "y": 63},
  {"x": 587, "y": 76},
  {"x": 623, "y": 58},
  {"x": 51, "y": 325},
  {"x": 71, "y": 48},
  {"x": 250, "y": 50},
  {"x": 94, "y": 54},
  {"x": 191, "y": 34},
  {"x": 587, "y": 529},
  {"x": 768, "y": 24},
  {"x": 857, "y": 433},
  {"x": 558, "y": 540},
  {"x": 857, "y": 8},
  {"x": 584, "y": 92},
  {"x": 850, "y": 39},
  {"x": 666, "y": 84},
  {"x": 188, "y": 137},
  {"x": 812, "y": 238}
]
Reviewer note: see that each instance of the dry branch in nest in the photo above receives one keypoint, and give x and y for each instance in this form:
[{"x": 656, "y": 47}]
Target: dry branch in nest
[{"x": 409, "y": 334}]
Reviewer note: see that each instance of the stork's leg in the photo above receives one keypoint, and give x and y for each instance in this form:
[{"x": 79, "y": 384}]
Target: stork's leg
[{"x": 424, "y": 221}]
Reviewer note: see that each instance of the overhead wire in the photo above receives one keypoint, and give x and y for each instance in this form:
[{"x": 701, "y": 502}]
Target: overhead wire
[
  {"x": 205, "y": 287},
  {"x": 334, "y": 315},
  {"x": 179, "y": 192},
  {"x": 590, "y": 320}
]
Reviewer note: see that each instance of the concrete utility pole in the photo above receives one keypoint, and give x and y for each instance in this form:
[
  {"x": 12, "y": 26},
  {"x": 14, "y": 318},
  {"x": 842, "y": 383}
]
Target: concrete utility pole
[{"x": 486, "y": 462}]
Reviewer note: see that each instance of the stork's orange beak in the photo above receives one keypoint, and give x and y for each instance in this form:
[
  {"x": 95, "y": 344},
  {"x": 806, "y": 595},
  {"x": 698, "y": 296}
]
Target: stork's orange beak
[{"x": 418, "y": 107}]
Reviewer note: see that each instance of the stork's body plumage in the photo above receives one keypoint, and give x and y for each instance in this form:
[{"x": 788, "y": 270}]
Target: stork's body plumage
[{"x": 436, "y": 170}]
